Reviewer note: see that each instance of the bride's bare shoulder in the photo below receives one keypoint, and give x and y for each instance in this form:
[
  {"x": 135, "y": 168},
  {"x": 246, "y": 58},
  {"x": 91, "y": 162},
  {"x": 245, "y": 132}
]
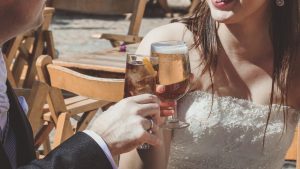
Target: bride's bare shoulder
[{"x": 172, "y": 31}]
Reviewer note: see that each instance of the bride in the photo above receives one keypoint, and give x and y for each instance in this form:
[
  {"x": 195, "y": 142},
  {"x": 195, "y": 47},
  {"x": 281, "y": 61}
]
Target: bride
[{"x": 243, "y": 109}]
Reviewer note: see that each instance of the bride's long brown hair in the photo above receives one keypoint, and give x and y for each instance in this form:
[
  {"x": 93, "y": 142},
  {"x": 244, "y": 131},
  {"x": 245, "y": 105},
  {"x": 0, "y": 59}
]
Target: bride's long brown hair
[{"x": 284, "y": 32}]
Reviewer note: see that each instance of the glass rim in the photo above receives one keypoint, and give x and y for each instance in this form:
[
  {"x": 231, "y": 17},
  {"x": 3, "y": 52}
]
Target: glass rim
[
  {"x": 169, "y": 47},
  {"x": 138, "y": 57},
  {"x": 170, "y": 42},
  {"x": 135, "y": 54}
]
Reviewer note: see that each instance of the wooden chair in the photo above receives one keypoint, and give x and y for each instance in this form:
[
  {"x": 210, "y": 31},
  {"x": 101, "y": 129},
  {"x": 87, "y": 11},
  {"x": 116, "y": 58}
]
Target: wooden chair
[
  {"x": 293, "y": 153},
  {"x": 137, "y": 13},
  {"x": 36, "y": 98},
  {"x": 106, "y": 63},
  {"x": 91, "y": 94},
  {"x": 113, "y": 53},
  {"x": 22, "y": 51},
  {"x": 110, "y": 7}
]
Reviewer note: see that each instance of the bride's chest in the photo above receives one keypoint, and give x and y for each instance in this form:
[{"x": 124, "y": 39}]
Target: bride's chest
[
  {"x": 232, "y": 119},
  {"x": 227, "y": 130}
]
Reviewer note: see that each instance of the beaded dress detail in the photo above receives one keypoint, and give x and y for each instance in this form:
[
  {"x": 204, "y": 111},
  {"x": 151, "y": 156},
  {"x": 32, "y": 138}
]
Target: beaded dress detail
[{"x": 229, "y": 134}]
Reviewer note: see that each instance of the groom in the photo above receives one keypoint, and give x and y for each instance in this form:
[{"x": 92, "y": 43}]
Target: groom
[{"x": 119, "y": 129}]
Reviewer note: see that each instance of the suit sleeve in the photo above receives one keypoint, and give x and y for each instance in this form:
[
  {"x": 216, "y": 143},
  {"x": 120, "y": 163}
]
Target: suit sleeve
[{"x": 78, "y": 152}]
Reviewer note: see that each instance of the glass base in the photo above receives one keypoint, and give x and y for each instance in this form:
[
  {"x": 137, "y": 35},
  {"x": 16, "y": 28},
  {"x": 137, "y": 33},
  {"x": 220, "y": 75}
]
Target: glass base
[{"x": 175, "y": 125}]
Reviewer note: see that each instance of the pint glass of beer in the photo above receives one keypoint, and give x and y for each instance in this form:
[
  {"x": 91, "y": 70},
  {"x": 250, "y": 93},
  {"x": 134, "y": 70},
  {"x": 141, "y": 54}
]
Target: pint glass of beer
[{"x": 171, "y": 61}]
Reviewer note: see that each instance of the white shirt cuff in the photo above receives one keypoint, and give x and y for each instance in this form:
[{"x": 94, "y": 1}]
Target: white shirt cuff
[{"x": 103, "y": 146}]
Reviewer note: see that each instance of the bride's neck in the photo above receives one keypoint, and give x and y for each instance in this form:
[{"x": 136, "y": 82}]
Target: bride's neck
[{"x": 248, "y": 40}]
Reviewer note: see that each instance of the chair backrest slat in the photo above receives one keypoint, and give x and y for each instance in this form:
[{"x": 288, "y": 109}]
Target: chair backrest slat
[
  {"x": 106, "y": 89},
  {"x": 83, "y": 85},
  {"x": 137, "y": 16}
]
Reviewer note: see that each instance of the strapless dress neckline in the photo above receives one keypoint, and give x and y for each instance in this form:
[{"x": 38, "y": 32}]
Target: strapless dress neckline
[
  {"x": 228, "y": 134},
  {"x": 236, "y": 99}
]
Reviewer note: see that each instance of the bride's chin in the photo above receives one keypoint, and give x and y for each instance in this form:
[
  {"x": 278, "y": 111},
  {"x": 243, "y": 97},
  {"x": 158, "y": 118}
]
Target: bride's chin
[{"x": 223, "y": 17}]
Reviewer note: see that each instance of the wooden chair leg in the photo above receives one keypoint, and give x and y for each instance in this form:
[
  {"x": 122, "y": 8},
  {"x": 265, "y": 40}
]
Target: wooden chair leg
[
  {"x": 13, "y": 49},
  {"x": 63, "y": 129},
  {"x": 85, "y": 120},
  {"x": 45, "y": 151},
  {"x": 37, "y": 51},
  {"x": 10, "y": 76},
  {"x": 298, "y": 148},
  {"x": 19, "y": 67},
  {"x": 43, "y": 134},
  {"x": 40, "y": 91},
  {"x": 46, "y": 146},
  {"x": 50, "y": 44}
]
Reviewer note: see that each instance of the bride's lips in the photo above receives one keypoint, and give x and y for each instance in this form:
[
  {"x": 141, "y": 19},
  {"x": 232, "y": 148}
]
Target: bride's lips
[{"x": 223, "y": 4}]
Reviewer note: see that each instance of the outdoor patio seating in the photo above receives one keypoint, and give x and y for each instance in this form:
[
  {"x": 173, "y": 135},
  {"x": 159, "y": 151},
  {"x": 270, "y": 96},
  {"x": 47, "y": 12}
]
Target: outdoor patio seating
[
  {"x": 109, "y": 62},
  {"x": 133, "y": 32},
  {"x": 64, "y": 93},
  {"x": 36, "y": 99},
  {"x": 89, "y": 94}
]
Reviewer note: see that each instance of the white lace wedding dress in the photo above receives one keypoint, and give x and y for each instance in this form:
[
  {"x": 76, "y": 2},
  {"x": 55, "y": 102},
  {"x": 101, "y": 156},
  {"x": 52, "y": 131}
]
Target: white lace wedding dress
[{"x": 231, "y": 136}]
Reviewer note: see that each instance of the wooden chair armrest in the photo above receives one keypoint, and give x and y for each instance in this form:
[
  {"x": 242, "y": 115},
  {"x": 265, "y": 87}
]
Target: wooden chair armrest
[
  {"x": 43, "y": 134},
  {"x": 117, "y": 37},
  {"x": 23, "y": 92}
]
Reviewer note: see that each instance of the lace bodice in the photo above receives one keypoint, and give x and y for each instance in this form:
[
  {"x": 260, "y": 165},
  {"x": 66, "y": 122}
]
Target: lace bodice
[{"x": 229, "y": 134}]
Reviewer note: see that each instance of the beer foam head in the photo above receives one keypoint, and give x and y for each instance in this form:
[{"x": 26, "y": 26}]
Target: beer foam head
[{"x": 169, "y": 47}]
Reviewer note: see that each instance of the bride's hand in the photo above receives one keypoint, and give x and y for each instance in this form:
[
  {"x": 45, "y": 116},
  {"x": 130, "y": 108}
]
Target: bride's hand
[{"x": 166, "y": 108}]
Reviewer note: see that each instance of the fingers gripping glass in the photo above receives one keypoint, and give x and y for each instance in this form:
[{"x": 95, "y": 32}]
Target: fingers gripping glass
[{"x": 171, "y": 61}]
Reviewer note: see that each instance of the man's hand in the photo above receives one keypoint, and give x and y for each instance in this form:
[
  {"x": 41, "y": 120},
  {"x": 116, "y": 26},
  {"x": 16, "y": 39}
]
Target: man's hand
[{"x": 124, "y": 126}]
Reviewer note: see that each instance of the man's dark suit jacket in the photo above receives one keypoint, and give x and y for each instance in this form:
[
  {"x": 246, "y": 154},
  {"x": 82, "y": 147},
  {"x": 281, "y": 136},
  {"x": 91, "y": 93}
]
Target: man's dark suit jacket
[{"x": 79, "y": 152}]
